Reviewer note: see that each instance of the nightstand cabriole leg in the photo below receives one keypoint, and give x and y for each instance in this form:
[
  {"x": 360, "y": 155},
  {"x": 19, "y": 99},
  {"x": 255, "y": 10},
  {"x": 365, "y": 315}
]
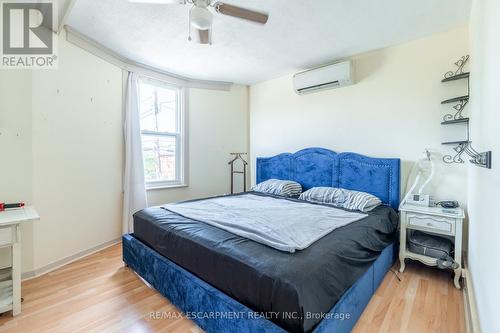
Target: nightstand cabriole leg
[
  {"x": 456, "y": 280},
  {"x": 16, "y": 271},
  {"x": 458, "y": 251},
  {"x": 402, "y": 242}
]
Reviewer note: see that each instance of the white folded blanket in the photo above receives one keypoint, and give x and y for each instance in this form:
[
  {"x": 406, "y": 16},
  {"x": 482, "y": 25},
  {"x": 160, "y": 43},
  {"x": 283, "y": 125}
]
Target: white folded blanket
[{"x": 279, "y": 223}]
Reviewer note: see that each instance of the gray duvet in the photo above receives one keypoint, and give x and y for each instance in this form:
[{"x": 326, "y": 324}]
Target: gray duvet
[{"x": 282, "y": 224}]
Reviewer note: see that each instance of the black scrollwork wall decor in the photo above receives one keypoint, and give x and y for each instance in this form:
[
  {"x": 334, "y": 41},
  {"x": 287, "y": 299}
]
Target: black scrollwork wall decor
[
  {"x": 457, "y": 158},
  {"x": 479, "y": 159},
  {"x": 465, "y": 145},
  {"x": 460, "y": 63},
  {"x": 459, "y": 107}
]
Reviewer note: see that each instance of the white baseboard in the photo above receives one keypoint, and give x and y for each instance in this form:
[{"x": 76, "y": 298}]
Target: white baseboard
[
  {"x": 470, "y": 309},
  {"x": 64, "y": 261}
]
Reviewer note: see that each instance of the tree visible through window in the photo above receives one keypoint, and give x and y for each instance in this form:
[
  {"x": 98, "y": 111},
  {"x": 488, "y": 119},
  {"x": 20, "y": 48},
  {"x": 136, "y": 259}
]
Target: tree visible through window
[{"x": 160, "y": 112}]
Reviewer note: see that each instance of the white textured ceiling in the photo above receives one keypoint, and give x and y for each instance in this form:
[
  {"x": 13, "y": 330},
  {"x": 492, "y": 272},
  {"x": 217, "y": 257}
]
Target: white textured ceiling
[{"x": 299, "y": 34}]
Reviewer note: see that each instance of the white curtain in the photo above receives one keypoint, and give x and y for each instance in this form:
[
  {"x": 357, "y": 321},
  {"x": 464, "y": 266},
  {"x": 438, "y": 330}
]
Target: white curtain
[{"x": 134, "y": 198}]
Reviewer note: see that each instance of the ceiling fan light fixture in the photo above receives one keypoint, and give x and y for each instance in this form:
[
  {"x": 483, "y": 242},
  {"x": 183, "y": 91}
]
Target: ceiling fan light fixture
[{"x": 201, "y": 18}]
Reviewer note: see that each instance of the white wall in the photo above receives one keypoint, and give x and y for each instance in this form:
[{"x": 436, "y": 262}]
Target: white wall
[
  {"x": 77, "y": 154},
  {"x": 15, "y": 135},
  {"x": 484, "y": 184},
  {"x": 16, "y": 152},
  {"x": 393, "y": 111},
  {"x": 62, "y": 147}
]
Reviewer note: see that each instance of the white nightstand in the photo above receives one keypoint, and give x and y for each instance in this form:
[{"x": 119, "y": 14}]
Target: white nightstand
[
  {"x": 436, "y": 220},
  {"x": 10, "y": 236}
]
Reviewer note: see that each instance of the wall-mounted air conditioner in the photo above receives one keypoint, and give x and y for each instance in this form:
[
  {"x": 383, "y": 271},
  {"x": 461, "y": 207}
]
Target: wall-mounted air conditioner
[{"x": 325, "y": 77}]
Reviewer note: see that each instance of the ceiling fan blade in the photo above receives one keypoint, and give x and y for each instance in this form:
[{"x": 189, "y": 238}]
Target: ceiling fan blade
[
  {"x": 242, "y": 13},
  {"x": 200, "y": 36},
  {"x": 162, "y": 2}
]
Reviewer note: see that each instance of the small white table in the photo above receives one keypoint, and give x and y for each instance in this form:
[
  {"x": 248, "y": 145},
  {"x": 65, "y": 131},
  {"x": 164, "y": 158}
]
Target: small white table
[
  {"x": 10, "y": 236},
  {"x": 435, "y": 220}
]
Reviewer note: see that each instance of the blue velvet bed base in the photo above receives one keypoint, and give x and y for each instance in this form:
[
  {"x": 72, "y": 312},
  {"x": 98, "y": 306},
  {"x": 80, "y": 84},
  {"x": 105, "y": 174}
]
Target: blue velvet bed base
[{"x": 215, "y": 312}]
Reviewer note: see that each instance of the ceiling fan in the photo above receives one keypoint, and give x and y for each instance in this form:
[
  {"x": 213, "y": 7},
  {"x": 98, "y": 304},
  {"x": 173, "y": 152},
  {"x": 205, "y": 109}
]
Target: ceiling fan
[{"x": 200, "y": 16}]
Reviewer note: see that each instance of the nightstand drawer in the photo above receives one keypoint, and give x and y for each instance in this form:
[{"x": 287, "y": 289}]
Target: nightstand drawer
[{"x": 429, "y": 222}]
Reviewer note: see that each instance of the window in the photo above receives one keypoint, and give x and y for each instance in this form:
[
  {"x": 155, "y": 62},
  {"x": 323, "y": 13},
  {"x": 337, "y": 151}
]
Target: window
[{"x": 161, "y": 111}]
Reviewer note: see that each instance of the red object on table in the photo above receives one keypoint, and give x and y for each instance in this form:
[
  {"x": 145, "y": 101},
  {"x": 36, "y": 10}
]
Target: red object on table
[{"x": 4, "y": 206}]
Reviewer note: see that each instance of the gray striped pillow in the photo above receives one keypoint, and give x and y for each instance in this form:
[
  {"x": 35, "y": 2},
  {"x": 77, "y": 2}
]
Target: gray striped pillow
[
  {"x": 339, "y": 197},
  {"x": 287, "y": 188}
]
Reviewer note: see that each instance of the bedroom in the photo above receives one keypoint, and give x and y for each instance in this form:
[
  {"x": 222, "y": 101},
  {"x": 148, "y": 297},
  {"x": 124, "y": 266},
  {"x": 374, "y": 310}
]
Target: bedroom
[{"x": 113, "y": 108}]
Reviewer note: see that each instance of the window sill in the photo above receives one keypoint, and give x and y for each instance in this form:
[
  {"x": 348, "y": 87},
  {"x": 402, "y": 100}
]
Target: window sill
[{"x": 163, "y": 187}]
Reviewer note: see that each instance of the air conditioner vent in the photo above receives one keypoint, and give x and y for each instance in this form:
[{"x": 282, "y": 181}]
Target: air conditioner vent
[{"x": 324, "y": 77}]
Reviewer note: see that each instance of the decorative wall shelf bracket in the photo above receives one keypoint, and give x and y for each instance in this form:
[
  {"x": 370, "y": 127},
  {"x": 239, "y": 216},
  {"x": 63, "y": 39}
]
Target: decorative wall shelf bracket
[
  {"x": 460, "y": 149},
  {"x": 456, "y": 77},
  {"x": 458, "y": 110},
  {"x": 479, "y": 159},
  {"x": 465, "y": 146},
  {"x": 460, "y": 63}
]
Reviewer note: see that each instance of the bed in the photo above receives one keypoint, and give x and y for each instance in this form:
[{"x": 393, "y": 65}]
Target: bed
[{"x": 227, "y": 283}]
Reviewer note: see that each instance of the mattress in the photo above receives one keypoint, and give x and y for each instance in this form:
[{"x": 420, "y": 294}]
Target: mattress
[{"x": 294, "y": 290}]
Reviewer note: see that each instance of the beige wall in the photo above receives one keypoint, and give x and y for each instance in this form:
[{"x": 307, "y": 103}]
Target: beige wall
[
  {"x": 62, "y": 142},
  {"x": 16, "y": 150},
  {"x": 484, "y": 184},
  {"x": 15, "y": 135},
  {"x": 393, "y": 110},
  {"x": 77, "y": 154}
]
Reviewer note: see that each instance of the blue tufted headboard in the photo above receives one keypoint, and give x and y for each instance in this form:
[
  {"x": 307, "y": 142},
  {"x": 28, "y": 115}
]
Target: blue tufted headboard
[{"x": 313, "y": 167}]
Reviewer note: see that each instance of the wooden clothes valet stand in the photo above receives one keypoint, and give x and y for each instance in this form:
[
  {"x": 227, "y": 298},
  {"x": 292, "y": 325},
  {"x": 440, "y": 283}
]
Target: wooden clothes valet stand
[{"x": 237, "y": 156}]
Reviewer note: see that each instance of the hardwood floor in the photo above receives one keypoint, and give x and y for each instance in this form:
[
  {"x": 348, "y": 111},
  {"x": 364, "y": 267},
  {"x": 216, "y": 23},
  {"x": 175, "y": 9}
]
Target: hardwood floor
[{"x": 98, "y": 294}]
